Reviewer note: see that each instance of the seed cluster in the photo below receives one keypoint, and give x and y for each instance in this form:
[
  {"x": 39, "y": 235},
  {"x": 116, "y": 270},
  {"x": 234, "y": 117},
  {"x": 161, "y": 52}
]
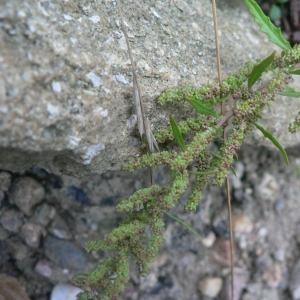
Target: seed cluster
[{"x": 140, "y": 235}]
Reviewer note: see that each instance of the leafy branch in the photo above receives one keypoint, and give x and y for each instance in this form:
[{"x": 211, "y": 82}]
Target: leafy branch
[{"x": 140, "y": 235}]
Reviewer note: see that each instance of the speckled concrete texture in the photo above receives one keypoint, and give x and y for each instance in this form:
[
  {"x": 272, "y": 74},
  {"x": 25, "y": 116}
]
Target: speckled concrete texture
[{"x": 66, "y": 82}]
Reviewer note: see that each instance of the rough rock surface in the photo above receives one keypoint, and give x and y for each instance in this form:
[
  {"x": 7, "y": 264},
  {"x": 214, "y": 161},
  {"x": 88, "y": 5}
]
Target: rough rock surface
[{"x": 66, "y": 80}]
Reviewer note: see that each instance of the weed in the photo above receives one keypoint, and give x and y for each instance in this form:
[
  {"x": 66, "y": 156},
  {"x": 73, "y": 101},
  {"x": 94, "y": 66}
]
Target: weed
[{"x": 140, "y": 235}]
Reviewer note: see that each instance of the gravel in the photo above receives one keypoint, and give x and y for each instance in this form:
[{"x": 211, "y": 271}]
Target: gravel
[{"x": 42, "y": 239}]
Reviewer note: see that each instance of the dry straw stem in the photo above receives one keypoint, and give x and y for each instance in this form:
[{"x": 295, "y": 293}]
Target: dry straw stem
[{"x": 214, "y": 6}]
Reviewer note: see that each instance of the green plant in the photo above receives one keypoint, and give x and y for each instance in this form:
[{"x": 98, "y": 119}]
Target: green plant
[{"x": 139, "y": 236}]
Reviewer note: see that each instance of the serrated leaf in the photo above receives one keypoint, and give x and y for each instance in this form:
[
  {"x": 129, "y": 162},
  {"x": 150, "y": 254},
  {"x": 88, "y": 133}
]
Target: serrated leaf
[
  {"x": 266, "y": 26},
  {"x": 200, "y": 107},
  {"x": 259, "y": 69},
  {"x": 268, "y": 135},
  {"x": 177, "y": 133},
  {"x": 290, "y": 92},
  {"x": 189, "y": 228}
]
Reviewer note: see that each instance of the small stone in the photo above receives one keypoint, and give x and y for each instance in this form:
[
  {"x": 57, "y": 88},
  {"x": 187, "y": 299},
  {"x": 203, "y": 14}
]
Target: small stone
[
  {"x": 130, "y": 293},
  {"x": 240, "y": 278},
  {"x": 11, "y": 289},
  {"x": 65, "y": 292},
  {"x": 2, "y": 196},
  {"x": 26, "y": 193},
  {"x": 65, "y": 254},
  {"x": 294, "y": 284},
  {"x": 220, "y": 253},
  {"x": 43, "y": 267},
  {"x": 257, "y": 291},
  {"x": 279, "y": 255},
  {"x": 60, "y": 229},
  {"x": 3, "y": 234},
  {"x": 242, "y": 224},
  {"x": 32, "y": 233},
  {"x": 18, "y": 250},
  {"x": 267, "y": 187},
  {"x": 5, "y": 181},
  {"x": 43, "y": 214},
  {"x": 273, "y": 276},
  {"x": 209, "y": 240},
  {"x": 149, "y": 283},
  {"x": 211, "y": 286},
  {"x": 12, "y": 220}
]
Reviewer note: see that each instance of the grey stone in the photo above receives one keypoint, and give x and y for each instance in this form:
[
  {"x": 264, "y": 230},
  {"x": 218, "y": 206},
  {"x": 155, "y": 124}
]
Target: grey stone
[
  {"x": 2, "y": 196},
  {"x": 32, "y": 233},
  {"x": 5, "y": 181},
  {"x": 26, "y": 193},
  {"x": 3, "y": 234},
  {"x": 44, "y": 213},
  {"x": 44, "y": 268},
  {"x": 66, "y": 97},
  {"x": 18, "y": 250},
  {"x": 65, "y": 254},
  {"x": 210, "y": 286},
  {"x": 294, "y": 284},
  {"x": 60, "y": 228},
  {"x": 65, "y": 291},
  {"x": 12, "y": 220}
]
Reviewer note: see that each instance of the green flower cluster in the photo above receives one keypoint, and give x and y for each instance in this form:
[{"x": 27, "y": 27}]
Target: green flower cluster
[{"x": 140, "y": 235}]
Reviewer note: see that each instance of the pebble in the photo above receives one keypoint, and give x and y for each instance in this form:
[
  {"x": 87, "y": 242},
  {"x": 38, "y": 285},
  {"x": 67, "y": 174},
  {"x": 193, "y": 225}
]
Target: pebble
[
  {"x": 43, "y": 267},
  {"x": 149, "y": 282},
  {"x": 210, "y": 286},
  {"x": 268, "y": 187},
  {"x": 130, "y": 293},
  {"x": 273, "y": 276},
  {"x": 242, "y": 224},
  {"x": 5, "y": 181},
  {"x": 294, "y": 284},
  {"x": 3, "y": 234},
  {"x": 12, "y": 220},
  {"x": 17, "y": 249},
  {"x": 209, "y": 240},
  {"x": 257, "y": 291},
  {"x": 60, "y": 229},
  {"x": 240, "y": 278},
  {"x": 220, "y": 253},
  {"x": 11, "y": 289},
  {"x": 65, "y": 292},
  {"x": 65, "y": 254},
  {"x": 32, "y": 233},
  {"x": 2, "y": 196},
  {"x": 43, "y": 214},
  {"x": 26, "y": 193}
]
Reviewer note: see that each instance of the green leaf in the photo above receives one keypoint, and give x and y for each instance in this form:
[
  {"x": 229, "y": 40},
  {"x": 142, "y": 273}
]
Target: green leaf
[
  {"x": 177, "y": 133},
  {"x": 233, "y": 171},
  {"x": 290, "y": 92},
  {"x": 204, "y": 172},
  {"x": 268, "y": 135},
  {"x": 275, "y": 12},
  {"x": 259, "y": 69},
  {"x": 200, "y": 107},
  {"x": 189, "y": 228},
  {"x": 266, "y": 26},
  {"x": 294, "y": 72}
]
